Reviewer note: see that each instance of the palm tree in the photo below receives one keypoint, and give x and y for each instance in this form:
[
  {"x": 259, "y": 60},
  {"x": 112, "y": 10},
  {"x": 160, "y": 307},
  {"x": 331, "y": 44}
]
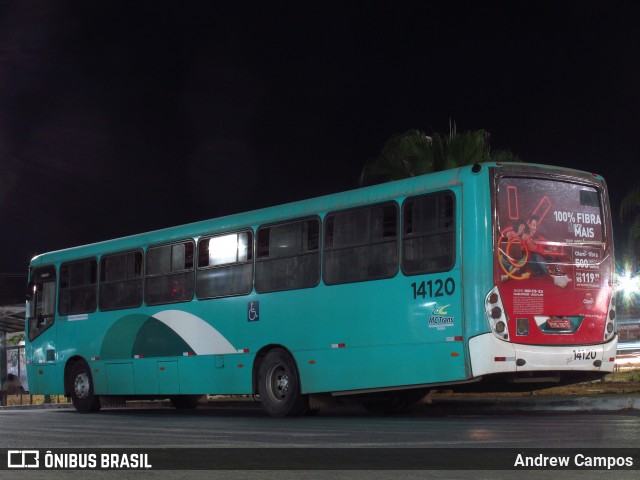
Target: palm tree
[{"x": 414, "y": 153}]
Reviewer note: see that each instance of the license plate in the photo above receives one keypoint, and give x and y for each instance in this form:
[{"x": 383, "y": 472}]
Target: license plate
[{"x": 559, "y": 324}]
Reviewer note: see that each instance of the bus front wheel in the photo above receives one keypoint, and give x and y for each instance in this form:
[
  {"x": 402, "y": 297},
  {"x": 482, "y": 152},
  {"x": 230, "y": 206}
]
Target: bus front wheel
[
  {"x": 82, "y": 395},
  {"x": 279, "y": 386}
]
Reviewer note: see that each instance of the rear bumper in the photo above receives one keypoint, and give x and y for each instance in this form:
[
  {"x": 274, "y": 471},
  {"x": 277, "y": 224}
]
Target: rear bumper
[{"x": 490, "y": 355}]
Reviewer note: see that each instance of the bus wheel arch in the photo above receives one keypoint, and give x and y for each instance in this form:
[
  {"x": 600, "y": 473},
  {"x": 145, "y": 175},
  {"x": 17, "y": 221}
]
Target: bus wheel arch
[
  {"x": 276, "y": 379},
  {"x": 79, "y": 385}
]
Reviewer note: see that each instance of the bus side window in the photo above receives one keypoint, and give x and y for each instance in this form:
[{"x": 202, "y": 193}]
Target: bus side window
[
  {"x": 225, "y": 265},
  {"x": 169, "y": 273},
  {"x": 288, "y": 256},
  {"x": 121, "y": 281},
  {"x": 428, "y": 233},
  {"x": 361, "y": 244},
  {"x": 78, "y": 283}
]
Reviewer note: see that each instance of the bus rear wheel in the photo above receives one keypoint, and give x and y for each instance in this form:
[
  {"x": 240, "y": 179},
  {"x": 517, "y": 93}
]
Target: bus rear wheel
[
  {"x": 81, "y": 384},
  {"x": 279, "y": 386}
]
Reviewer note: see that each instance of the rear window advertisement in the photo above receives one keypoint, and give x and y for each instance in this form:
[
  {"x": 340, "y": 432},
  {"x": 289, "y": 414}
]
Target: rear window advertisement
[{"x": 549, "y": 233}]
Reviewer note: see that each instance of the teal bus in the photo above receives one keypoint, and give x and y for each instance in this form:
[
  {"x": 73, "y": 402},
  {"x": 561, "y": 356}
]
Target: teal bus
[{"x": 486, "y": 277}]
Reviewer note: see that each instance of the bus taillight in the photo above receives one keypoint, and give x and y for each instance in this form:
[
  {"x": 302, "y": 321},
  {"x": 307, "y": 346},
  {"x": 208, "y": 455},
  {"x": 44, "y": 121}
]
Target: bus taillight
[
  {"x": 610, "y": 327},
  {"x": 495, "y": 313}
]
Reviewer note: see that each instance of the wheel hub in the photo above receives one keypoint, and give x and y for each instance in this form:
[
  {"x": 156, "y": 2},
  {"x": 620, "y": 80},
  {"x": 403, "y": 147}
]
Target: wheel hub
[
  {"x": 283, "y": 384},
  {"x": 278, "y": 386},
  {"x": 81, "y": 385}
]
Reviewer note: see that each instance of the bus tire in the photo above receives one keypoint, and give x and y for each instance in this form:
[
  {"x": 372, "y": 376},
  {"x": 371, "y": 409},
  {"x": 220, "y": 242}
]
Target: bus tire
[
  {"x": 81, "y": 384},
  {"x": 279, "y": 386}
]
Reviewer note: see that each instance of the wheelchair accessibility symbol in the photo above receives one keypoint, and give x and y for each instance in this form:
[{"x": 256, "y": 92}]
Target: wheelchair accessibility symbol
[{"x": 253, "y": 311}]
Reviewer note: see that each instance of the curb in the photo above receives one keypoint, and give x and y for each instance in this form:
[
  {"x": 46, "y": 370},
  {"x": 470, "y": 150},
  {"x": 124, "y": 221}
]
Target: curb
[{"x": 39, "y": 406}]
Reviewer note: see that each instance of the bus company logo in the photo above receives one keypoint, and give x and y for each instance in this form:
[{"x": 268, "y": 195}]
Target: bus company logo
[
  {"x": 23, "y": 459},
  {"x": 440, "y": 310},
  {"x": 588, "y": 301},
  {"x": 439, "y": 318}
]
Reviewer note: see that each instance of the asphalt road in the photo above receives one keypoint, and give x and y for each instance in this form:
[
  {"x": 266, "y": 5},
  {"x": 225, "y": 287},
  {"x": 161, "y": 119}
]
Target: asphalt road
[
  {"x": 247, "y": 429},
  {"x": 250, "y": 427}
]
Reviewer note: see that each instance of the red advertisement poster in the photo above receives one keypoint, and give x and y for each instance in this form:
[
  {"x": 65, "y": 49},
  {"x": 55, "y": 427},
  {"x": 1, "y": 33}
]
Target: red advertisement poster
[{"x": 551, "y": 262}]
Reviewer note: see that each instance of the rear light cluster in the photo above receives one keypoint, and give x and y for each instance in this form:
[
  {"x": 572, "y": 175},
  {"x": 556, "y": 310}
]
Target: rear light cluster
[
  {"x": 610, "y": 325},
  {"x": 495, "y": 314}
]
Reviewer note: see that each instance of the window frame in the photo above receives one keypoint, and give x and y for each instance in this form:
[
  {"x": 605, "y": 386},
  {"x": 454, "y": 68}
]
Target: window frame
[
  {"x": 86, "y": 286},
  {"x": 454, "y": 232},
  {"x": 186, "y": 272},
  {"x": 264, "y": 260},
  {"x": 140, "y": 279},
  {"x": 250, "y": 261},
  {"x": 368, "y": 244}
]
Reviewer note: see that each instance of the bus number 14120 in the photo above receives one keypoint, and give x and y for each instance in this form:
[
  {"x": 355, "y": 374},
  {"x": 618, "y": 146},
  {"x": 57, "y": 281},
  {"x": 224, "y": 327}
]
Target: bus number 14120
[{"x": 437, "y": 288}]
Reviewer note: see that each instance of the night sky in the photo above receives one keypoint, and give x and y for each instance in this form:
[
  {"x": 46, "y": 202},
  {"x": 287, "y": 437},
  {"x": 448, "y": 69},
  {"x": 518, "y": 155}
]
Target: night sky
[{"x": 122, "y": 117}]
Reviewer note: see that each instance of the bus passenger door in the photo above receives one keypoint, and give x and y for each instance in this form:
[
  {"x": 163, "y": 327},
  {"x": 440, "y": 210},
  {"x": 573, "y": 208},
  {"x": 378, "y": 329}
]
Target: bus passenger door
[{"x": 41, "y": 347}]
